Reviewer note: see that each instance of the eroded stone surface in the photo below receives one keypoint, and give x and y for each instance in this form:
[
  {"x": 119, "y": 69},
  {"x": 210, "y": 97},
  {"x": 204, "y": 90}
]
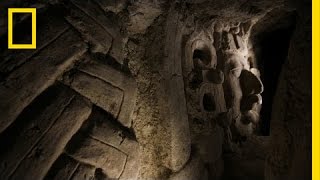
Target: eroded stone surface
[
  {"x": 142, "y": 14},
  {"x": 115, "y": 6},
  {"x": 106, "y": 131},
  {"x": 147, "y": 69},
  {"x": 39, "y": 159},
  {"x": 99, "y": 92},
  {"x": 108, "y": 158},
  {"x": 119, "y": 80},
  {"x": 94, "y": 11},
  {"x": 91, "y": 31},
  {"x": 26, "y": 83},
  {"x": 84, "y": 172},
  {"x": 54, "y": 26},
  {"x": 63, "y": 168},
  {"x": 36, "y": 124},
  {"x": 193, "y": 170}
]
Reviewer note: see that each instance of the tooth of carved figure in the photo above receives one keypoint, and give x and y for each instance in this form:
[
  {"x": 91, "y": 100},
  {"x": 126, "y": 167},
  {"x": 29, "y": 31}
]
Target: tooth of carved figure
[
  {"x": 255, "y": 71},
  {"x": 235, "y": 30},
  {"x": 229, "y": 43},
  {"x": 250, "y": 102},
  {"x": 250, "y": 116},
  {"x": 218, "y": 27}
]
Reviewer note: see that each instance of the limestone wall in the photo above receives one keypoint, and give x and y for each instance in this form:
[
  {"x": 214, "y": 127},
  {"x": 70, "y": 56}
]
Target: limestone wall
[{"x": 140, "y": 89}]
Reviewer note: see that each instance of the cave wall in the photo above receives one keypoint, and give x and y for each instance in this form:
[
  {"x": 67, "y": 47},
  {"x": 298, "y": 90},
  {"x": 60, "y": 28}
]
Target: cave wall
[
  {"x": 152, "y": 90},
  {"x": 290, "y": 150},
  {"x": 67, "y": 106}
]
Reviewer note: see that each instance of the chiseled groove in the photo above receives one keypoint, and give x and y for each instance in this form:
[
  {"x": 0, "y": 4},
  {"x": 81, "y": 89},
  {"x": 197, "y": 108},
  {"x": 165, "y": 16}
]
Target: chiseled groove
[
  {"x": 122, "y": 90},
  {"x": 92, "y": 18},
  {"x": 39, "y": 49},
  {"x": 36, "y": 142},
  {"x": 97, "y": 4},
  {"x": 105, "y": 143},
  {"x": 96, "y": 77},
  {"x": 124, "y": 167},
  {"x": 74, "y": 170},
  {"x": 122, "y": 101}
]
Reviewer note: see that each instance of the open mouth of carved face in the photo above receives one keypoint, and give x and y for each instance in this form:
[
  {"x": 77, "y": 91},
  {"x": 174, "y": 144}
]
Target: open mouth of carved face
[
  {"x": 212, "y": 98},
  {"x": 208, "y": 102}
]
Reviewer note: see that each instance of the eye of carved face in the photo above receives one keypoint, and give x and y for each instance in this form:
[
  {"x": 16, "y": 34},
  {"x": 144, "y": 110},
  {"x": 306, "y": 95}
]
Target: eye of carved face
[{"x": 202, "y": 58}]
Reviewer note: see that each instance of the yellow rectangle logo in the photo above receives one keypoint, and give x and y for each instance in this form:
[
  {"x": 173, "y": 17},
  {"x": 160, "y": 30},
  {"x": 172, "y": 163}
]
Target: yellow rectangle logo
[{"x": 33, "y": 12}]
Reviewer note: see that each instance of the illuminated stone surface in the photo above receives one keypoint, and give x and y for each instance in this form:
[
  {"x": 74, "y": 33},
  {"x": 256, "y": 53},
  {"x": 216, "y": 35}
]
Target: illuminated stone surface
[{"x": 141, "y": 89}]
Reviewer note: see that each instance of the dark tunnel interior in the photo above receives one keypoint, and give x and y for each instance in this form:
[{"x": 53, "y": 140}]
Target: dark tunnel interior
[{"x": 274, "y": 47}]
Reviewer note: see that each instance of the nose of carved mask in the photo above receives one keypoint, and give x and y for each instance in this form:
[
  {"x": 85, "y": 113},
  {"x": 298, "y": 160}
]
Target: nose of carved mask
[
  {"x": 250, "y": 83},
  {"x": 252, "y": 87}
]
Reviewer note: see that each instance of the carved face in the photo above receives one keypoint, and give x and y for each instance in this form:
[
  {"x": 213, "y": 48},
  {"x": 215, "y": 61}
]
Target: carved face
[
  {"x": 206, "y": 78},
  {"x": 234, "y": 89},
  {"x": 222, "y": 92},
  {"x": 242, "y": 88},
  {"x": 205, "y": 101}
]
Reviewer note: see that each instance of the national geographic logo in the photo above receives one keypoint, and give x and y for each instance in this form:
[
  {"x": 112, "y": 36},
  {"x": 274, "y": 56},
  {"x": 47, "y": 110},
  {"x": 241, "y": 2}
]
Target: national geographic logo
[{"x": 33, "y": 12}]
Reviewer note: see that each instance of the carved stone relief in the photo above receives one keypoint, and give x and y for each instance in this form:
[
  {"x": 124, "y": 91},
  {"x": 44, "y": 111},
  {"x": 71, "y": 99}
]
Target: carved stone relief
[{"x": 222, "y": 85}]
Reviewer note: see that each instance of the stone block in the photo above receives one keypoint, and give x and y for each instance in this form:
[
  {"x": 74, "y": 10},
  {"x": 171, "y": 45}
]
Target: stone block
[
  {"x": 98, "y": 15},
  {"x": 35, "y": 125},
  {"x": 63, "y": 168},
  {"x": 98, "y": 154},
  {"x": 91, "y": 31},
  {"x": 53, "y": 26},
  {"x": 40, "y": 158},
  {"x": 23, "y": 85},
  {"x": 120, "y": 80},
  {"x": 101, "y": 93}
]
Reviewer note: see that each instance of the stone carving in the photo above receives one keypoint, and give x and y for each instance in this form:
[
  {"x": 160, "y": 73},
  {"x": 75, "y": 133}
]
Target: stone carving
[
  {"x": 242, "y": 89},
  {"x": 242, "y": 85},
  {"x": 205, "y": 101},
  {"x": 122, "y": 89},
  {"x": 67, "y": 104},
  {"x": 221, "y": 83}
]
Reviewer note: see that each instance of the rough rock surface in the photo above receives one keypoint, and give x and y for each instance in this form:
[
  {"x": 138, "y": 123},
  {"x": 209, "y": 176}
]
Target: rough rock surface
[{"x": 154, "y": 89}]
